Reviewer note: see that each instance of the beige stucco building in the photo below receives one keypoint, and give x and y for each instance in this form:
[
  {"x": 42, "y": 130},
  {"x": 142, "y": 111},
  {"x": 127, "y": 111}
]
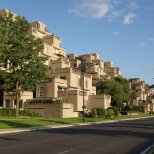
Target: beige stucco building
[
  {"x": 93, "y": 65},
  {"x": 67, "y": 88},
  {"x": 71, "y": 80},
  {"x": 141, "y": 92}
]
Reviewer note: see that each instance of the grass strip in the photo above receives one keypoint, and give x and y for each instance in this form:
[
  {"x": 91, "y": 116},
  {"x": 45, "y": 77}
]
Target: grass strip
[{"x": 21, "y": 122}]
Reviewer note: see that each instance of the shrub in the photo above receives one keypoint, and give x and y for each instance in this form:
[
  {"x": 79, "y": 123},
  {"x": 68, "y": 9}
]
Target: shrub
[
  {"x": 101, "y": 112},
  {"x": 110, "y": 113},
  {"x": 5, "y": 112},
  {"x": 151, "y": 112},
  {"x": 29, "y": 113},
  {"x": 94, "y": 113},
  {"x": 141, "y": 109},
  {"x": 115, "y": 110},
  {"x": 134, "y": 108}
]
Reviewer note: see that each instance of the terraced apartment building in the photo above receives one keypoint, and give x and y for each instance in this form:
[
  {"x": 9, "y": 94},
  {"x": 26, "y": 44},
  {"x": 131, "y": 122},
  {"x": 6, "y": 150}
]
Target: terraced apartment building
[
  {"x": 70, "y": 86},
  {"x": 142, "y": 94},
  {"x": 67, "y": 89}
]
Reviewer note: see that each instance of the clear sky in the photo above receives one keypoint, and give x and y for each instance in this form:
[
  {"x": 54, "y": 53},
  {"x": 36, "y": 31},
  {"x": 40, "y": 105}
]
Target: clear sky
[{"x": 121, "y": 31}]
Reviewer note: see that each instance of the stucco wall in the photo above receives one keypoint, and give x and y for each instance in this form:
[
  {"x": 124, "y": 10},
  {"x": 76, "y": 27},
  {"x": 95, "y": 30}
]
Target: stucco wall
[
  {"x": 55, "y": 110},
  {"x": 99, "y": 101}
]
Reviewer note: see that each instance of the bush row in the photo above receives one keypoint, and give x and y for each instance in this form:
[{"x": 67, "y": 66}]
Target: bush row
[
  {"x": 151, "y": 112},
  {"x": 4, "y": 112},
  {"x": 134, "y": 108},
  {"x": 105, "y": 113}
]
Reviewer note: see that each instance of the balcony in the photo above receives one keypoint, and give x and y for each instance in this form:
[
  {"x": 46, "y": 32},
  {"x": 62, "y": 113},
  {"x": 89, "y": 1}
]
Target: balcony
[{"x": 92, "y": 69}]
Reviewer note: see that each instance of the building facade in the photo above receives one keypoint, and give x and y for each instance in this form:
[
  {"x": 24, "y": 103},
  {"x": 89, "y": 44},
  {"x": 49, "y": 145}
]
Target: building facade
[
  {"x": 67, "y": 87},
  {"x": 142, "y": 94}
]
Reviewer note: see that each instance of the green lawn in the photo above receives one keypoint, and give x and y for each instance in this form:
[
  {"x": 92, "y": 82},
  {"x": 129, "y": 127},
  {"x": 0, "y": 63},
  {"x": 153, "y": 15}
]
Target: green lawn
[
  {"x": 31, "y": 122},
  {"x": 21, "y": 122}
]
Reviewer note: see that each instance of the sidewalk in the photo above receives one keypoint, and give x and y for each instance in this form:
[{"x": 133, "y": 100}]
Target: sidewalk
[{"x": 18, "y": 130}]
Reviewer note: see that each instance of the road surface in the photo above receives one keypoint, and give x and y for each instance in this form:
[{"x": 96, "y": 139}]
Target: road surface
[{"x": 125, "y": 137}]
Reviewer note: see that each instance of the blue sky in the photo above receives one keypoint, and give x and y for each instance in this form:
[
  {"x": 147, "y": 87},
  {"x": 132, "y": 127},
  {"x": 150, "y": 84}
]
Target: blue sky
[{"x": 121, "y": 31}]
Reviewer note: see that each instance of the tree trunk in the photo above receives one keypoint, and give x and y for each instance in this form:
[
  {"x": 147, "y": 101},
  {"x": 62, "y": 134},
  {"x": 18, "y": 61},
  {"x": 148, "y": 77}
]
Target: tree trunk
[{"x": 17, "y": 98}]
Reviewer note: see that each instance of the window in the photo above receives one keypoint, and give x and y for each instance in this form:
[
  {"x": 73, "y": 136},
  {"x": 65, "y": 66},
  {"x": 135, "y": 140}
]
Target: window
[
  {"x": 15, "y": 103},
  {"x": 38, "y": 26},
  {"x": 7, "y": 103},
  {"x": 63, "y": 77},
  {"x": 75, "y": 65},
  {"x": 41, "y": 91},
  {"x": 86, "y": 84},
  {"x": 20, "y": 103},
  {"x": 60, "y": 88},
  {"x": 34, "y": 30}
]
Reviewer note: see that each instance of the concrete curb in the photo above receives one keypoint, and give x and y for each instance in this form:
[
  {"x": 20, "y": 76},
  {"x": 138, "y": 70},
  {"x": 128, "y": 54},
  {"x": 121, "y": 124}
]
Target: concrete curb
[{"x": 18, "y": 130}]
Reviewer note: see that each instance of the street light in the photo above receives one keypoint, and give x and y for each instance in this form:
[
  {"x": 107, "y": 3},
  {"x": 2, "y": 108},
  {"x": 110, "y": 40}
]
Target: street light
[{"x": 83, "y": 106}]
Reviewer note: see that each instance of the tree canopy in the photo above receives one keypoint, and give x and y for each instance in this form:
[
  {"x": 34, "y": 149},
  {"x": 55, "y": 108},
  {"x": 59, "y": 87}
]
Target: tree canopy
[
  {"x": 118, "y": 88},
  {"x": 152, "y": 86},
  {"x": 20, "y": 58}
]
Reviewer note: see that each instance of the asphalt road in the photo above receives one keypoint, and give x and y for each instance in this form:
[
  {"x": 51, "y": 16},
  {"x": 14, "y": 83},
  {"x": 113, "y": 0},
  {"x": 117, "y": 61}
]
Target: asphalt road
[{"x": 127, "y": 137}]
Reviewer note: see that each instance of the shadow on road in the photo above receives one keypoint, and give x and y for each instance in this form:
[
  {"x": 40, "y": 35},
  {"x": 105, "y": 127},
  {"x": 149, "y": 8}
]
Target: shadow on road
[
  {"x": 130, "y": 129},
  {"x": 9, "y": 139}
]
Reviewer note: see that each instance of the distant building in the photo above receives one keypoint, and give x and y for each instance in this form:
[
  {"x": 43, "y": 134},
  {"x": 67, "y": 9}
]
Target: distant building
[{"x": 141, "y": 92}]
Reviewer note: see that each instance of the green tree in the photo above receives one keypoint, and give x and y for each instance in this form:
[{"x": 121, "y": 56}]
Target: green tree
[
  {"x": 152, "y": 86},
  {"x": 118, "y": 88},
  {"x": 19, "y": 56}
]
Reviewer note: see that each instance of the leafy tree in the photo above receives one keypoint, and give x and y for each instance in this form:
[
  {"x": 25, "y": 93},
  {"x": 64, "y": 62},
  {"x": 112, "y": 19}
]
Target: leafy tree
[
  {"x": 118, "y": 88},
  {"x": 19, "y": 56},
  {"x": 149, "y": 99}
]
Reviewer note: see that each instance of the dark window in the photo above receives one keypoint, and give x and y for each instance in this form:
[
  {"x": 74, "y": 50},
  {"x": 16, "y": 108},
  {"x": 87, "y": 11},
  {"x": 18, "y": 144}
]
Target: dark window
[
  {"x": 60, "y": 89},
  {"x": 41, "y": 91},
  {"x": 20, "y": 103},
  {"x": 38, "y": 26},
  {"x": 7, "y": 103},
  {"x": 15, "y": 103},
  {"x": 63, "y": 77}
]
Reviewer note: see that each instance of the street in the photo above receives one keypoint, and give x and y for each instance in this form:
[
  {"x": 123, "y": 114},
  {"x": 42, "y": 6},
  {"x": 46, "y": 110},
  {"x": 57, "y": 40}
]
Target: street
[{"x": 125, "y": 137}]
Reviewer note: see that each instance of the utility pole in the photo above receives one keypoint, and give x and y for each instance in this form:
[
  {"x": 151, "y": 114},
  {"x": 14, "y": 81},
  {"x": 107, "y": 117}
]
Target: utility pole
[
  {"x": 83, "y": 90},
  {"x": 83, "y": 107}
]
